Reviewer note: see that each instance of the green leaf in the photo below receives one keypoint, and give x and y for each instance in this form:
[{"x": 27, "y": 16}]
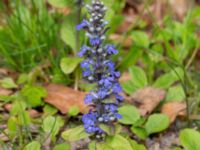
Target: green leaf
[
  {"x": 156, "y": 123},
  {"x": 24, "y": 119},
  {"x": 75, "y": 134},
  {"x": 172, "y": 94},
  {"x": 49, "y": 110},
  {"x": 12, "y": 126},
  {"x": 23, "y": 78},
  {"x": 63, "y": 146},
  {"x": 118, "y": 142},
  {"x": 140, "y": 132},
  {"x": 166, "y": 80},
  {"x": 106, "y": 128},
  {"x": 129, "y": 113},
  {"x": 138, "y": 77},
  {"x": 68, "y": 32},
  {"x": 129, "y": 87},
  {"x": 190, "y": 139},
  {"x": 140, "y": 38},
  {"x": 8, "y": 83},
  {"x": 135, "y": 145},
  {"x": 69, "y": 64},
  {"x": 92, "y": 145},
  {"x": 34, "y": 145},
  {"x": 34, "y": 95},
  {"x": 52, "y": 125},
  {"x": 18, "y": 107},
  {"x": 73, "y": 111},
  {"x": 59, "y": 3},
  {"x": 103, "y": 146}
]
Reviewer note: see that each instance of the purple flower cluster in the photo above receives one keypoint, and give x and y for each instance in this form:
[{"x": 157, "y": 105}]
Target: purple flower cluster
[{"x": 98, "y": 68}]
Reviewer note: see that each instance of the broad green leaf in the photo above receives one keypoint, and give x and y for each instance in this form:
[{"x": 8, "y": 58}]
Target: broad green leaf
[
  {"x": 68, "y": 32},
  {"x": 8, "y": 83},
  {"x": 135, "y": 145},
  {"x": 156, "y": 123},
  {"x": 92, "y": 145},
  {"x": 129, "y": 113},
  {"x": 34, "y": 95},
  {"x": 118, "y": 142},
  {"x": 166, "y": 80},
  {"x": 73, "y": 111},
  {"x": 140, "y": 132},
  {"x": 129, "y": 87},
  {"x": 75, "y": 134},
  {"x": 138, "y": 77},
  {"x": 190, "y": 139},
  {"x": 140, "y": 38},
  {"x": 49, "y": 110},
  {"x": 106, "y": 128},
  {"x": 60, "y": 3},
  {"x": 63, "y": 146},
  {"x": 52, "y": 125},
  {"x": 34, "y": 145},
  {"x": 69, "y": 64},
  {"x": 172, "y": 94},
  {"x": 103, "y": 146}
]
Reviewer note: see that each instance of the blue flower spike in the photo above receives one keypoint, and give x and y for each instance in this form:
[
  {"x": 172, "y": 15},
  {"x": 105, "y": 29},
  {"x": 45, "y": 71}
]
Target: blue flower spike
[{"x": 98, "y": 68}]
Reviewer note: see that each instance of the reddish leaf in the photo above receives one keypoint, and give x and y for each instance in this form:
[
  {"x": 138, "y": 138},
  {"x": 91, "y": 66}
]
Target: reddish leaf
[
  {"x": 64, "y": 98},
  {"x": 173, "y": 109},
  {"x": 148, "y": 99},
  {"x": 5, "y": 92}
]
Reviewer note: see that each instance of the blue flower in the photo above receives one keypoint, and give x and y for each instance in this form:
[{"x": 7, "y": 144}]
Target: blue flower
[
  {"x": 110, "y": 65},
  {"x": 106, "y": 82},
  {"x": 95, "y": 41},
  {"x": 102, "y": 93},
  {"x": 99, "y": 70},
  {"x": 83, "y": 24},
  {"x": 117, "y": 88},
  {"x": 89, "y": 99},
  {"x": 111, "y": 49},
  {"x": 111, "y": 107},
  {"x": 119, "y": 97},
  {"x": 90, "y": 122},
  {"x": 84, "y": 49}
]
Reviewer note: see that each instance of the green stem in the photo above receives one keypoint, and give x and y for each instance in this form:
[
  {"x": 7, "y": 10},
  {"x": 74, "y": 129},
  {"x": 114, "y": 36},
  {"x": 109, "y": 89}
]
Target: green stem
[{"x": 79, "y": 2}]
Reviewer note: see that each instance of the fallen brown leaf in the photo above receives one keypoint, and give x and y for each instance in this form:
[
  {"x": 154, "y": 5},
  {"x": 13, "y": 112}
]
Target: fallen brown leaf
[
  {"x": 148, "y": 99},
  {"x": 63, "y": 98},
  {"x": 5, "y": 92},
  {"x": 4, "y": 71},
  {"x": 173, "y": 109}
]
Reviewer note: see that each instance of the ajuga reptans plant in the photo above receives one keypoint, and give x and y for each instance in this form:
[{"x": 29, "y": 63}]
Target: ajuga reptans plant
[{"x": 98, "y": 68}]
